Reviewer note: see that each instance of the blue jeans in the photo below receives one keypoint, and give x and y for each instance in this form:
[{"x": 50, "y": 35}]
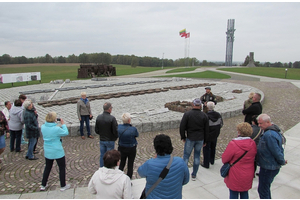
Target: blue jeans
[
  {"x": 188, "y": 147},
  {"x": 266, "y": 177},
  {"x": 31, "y": 143},
  {"x": 104, "y": 147},
  {"x": 86, "y": 119},
  {"x": 235, "y": 194},
  {"x": 15, "y": 136}
]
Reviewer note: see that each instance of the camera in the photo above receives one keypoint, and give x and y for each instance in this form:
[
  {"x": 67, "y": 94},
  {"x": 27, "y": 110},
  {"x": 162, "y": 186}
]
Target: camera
[{"x": 58, "y": 119}]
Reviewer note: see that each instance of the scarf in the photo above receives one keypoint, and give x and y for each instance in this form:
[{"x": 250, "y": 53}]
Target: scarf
[{"x": 84, "y": 100}]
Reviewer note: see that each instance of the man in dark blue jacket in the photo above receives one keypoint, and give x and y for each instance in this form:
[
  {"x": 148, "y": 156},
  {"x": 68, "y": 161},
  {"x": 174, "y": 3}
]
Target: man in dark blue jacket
[
  {"x": 270, "y": 155},
  {"x": 194, "y": 129}
]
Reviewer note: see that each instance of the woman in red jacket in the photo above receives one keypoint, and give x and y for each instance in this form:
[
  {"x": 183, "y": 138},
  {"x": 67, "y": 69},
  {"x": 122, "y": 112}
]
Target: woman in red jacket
[{"x": 240, "y": 177}]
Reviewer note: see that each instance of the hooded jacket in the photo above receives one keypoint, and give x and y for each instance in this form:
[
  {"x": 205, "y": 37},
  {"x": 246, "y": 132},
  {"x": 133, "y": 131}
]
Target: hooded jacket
[
  {"x": 16, "y": 120},
  {"x": 269, "y": 151},
  {"x": 215, "y": 124},
  {"x": 109, "y": 183},
  {"x": 241, "y": 174}
]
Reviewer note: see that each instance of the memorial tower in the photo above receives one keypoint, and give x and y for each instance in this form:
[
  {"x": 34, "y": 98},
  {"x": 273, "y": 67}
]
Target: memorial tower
[{"x": 229, "y": 42}]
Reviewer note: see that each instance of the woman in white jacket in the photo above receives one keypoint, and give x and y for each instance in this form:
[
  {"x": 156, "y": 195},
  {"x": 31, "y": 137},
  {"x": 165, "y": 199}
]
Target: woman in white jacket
[{"x": 109, "y": 182}]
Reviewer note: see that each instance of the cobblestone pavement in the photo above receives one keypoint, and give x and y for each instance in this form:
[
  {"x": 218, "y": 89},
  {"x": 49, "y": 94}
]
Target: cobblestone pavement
[{"x": 24, "y": 176}]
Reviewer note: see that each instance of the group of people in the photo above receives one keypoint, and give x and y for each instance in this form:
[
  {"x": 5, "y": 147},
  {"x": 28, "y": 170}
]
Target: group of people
[
  {"x": 258, "y": 142},
  {"x": 16, "y": 119}
]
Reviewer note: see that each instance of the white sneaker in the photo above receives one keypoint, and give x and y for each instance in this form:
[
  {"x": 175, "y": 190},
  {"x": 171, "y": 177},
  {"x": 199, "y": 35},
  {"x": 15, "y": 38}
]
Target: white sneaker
[
  {"x": 193, "y": 178},
  {"x": 68, "y": 186},
  {"x": 43, "y": 188}
]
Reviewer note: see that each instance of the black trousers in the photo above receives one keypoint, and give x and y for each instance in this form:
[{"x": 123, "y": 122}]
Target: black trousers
[
  {"x": 15, "y": 136},
  {"x": 209, "y": 152},
  {"x": 61, "y": 162},
  {"x": 130, "y": 153}
]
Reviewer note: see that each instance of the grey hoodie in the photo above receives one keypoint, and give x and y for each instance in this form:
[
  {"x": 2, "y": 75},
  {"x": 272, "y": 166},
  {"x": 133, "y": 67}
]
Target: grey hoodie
[
  {"x": 109, "y": 183},
  {"x": 16, "y": 118}
]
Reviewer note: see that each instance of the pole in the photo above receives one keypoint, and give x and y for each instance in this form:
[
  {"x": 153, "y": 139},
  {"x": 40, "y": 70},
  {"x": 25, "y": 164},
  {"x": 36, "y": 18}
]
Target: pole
[
  {"x": 162, "y": 62},
  {"x": 286, "y": 72},
  {"x": 188, "y": 59},
  {"x": 185, "y": 52}
]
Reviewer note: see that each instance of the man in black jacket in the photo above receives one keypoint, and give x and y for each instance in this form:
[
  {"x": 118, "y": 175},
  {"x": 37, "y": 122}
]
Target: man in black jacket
[
  {"x": 208, "y": 96},
  {"x": 193, "y": 131},
  {"x": 107, "y": 128},
  {"x": 215, "y": 125},
  {"x": 254, "y": 109}
]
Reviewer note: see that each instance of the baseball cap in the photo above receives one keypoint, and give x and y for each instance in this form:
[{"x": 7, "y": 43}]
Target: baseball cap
[
  {"x": 208, "y": 88},
  {"x": 197, "y": 102}
]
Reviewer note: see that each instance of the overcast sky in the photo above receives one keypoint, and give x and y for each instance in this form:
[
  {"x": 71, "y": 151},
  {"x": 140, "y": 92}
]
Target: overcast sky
[{"x": 270, "y": 30}]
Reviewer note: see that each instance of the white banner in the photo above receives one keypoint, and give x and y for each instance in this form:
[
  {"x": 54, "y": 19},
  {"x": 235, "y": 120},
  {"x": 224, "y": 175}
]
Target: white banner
[{"x": 20, "y": 77}]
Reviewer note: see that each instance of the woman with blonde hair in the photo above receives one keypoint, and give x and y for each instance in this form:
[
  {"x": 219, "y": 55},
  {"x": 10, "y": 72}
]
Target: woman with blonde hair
[
  {"x": 240, "y": 177},
  {"x": 53, "y": 149},
  {"x": 127, "y": 143},
  {"x": 84, "y": 114}
]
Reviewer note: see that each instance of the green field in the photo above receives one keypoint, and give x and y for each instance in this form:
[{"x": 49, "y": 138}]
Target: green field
[
  {"x": 273, "y": 72},
  {"x": 181, "y": 69},
  {"x": 61, "y": 71},
  {"x": 206, "y": 74}
]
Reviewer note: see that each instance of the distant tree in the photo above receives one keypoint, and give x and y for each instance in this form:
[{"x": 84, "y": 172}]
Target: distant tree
[
  {"x": 83, "y": 58},
  {"x": 61, "y": 59},
  {"x": 257, "y": 64},
  {"x": 107, "y": 58},
  {"x": 290, "y": 64},
  {"x": 72, "y": 59},
  {"x": 6, "y": 59},
  {"x": 48, "y": 58},
  {"x": 296, "y": 64},
  {"x": 204, "y": 63},
  {"x": 134, "y": 61},
  {"x": 267, "y": 64}
]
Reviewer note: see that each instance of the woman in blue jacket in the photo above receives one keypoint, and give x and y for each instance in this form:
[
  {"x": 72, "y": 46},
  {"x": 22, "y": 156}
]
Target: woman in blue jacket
[
  {"x": 171, "y": 186},
  {"x": 54, "y": 150},
  {"x": 127, "y": 143}
]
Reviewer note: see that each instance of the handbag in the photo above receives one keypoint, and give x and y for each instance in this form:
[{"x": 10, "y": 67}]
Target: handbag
[
  {"x": 226, "y": 167},
  {"x": 162, "y": 175}
]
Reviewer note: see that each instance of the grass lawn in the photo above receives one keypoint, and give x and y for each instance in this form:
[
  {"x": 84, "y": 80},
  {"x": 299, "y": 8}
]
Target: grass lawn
[
  {"x": 274, "y": 72},
  {"x": 206, "y": 74},
  {"x": 182, "y": 69},
  {"x": 62, "y": 71}
]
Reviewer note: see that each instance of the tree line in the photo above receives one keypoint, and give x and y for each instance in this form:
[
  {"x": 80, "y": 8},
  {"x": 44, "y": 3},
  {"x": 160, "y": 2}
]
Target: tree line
[{"x": 146, "y": 61}]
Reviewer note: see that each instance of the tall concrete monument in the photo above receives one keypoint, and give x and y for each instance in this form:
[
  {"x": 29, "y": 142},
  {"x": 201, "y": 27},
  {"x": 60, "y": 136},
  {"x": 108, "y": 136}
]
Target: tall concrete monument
[
  {"x": 229, "y": 42},
  {"x": 251, "y": 60}
]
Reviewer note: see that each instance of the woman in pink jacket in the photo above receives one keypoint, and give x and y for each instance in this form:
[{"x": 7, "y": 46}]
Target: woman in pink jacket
[{"x": 240, "y": 177}]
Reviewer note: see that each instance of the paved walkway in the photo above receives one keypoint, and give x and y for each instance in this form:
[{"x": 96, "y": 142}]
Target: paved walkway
[{"x": 209, "y": 183}]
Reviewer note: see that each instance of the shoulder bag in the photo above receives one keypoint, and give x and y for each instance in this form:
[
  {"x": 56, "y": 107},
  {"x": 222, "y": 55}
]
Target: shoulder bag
[
  {"x": 225, "y": 168},
  {"x": 162, "y": 175}
]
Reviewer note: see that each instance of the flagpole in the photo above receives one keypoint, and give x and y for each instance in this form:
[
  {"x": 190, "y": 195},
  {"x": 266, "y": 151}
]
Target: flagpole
[
  {"x": 185, "y": 52},
  {"x": 189, "y": 49}
]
